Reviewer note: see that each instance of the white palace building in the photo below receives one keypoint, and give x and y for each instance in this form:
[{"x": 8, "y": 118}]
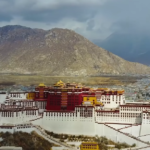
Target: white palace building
[{"x": 78, "y": 110}]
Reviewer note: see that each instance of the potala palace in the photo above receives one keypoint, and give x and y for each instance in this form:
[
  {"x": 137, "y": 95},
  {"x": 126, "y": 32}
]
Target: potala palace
[{"x": 71, "y": 108}]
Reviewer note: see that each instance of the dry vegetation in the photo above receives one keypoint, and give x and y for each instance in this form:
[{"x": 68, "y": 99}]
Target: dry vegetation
[
  {"x": 49, "y": 80},
  {"x": 102, "y": 141},
  {"x": 25, "y": 140}
]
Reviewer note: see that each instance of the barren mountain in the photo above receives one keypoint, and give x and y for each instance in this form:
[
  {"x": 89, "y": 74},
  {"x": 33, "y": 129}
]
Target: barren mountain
[{"x": 58, "y": 52}]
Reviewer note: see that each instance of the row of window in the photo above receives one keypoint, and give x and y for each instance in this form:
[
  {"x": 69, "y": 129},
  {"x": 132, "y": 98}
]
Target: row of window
[
  {"x": 6, "y": 127},
  {"x": 89, "y": 147},
  {"x": 11, "y": 114},
  {"x": 23, "y": 127},
  {"x": 134, "y": 108},
  {"x": 59, "y": 114},
  {"x": 30, "y": 112},
  {"x": 122, "y": 114},
  {"x": 7, "y": 114},
  {"x": 15, "y": 95}
]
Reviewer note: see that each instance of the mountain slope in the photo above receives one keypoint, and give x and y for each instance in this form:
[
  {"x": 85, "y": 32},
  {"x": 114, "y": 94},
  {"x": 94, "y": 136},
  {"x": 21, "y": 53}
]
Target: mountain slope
[{"x": 58, "y": 52}]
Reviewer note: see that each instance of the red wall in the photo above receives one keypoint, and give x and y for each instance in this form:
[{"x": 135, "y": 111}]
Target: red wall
[{"x": 54, "y": 101}]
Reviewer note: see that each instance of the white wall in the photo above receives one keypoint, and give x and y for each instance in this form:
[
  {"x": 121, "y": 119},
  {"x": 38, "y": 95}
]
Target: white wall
[
  {"x": 37, "y": 121},
  {"x": 145, "y": 138},
  {"x": 133, "y": 130},
  {"x": 21, "y": 118},
  {"x": 28, "y": 130},
  {"x": 7, "y": 130},
  {"x": 18, "y": 96},
  {"x": 90, "y": 128},
  {"x": 69, "y": 127},
  {"x": 118, "y": 126},
  {"x": 2, "y": 98},
  {"x": 81, "y": 126},
  {"x": 118, "y": 136},
  {"x": 15, "y": 129},
  {"x": 115, "y": 100},
  {"x": 145, "y": 129}
]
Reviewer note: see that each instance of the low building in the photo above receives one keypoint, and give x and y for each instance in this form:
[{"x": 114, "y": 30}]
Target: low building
[
  {"x": 89, "y": 146},
  {"x": 10, "y": 148}
]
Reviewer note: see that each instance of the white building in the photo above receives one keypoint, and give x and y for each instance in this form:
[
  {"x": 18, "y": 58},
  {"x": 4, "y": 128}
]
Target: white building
[{"x": 117, "y": 120}]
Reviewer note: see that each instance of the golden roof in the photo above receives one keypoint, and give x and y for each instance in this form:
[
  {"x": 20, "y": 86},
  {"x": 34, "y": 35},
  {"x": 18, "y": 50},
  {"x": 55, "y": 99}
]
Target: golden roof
[
  {"x": 120, "y": 91},
  {"x": 102, "y": 89},
  {"x": 41, "y": 84},
  {"x": 59, "y": 83}
]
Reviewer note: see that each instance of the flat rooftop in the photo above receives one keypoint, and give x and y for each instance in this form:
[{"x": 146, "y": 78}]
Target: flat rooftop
[{"x": 10, "y": 148}]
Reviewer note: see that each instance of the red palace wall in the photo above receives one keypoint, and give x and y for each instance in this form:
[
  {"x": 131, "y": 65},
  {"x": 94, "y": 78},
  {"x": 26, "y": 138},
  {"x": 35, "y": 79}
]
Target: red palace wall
[
  {"x": 61, "y": 99},
  {"x": 65, "y": 100},
  {"x": 55, "y": 101},
  {"x": 41, "y": 94}
]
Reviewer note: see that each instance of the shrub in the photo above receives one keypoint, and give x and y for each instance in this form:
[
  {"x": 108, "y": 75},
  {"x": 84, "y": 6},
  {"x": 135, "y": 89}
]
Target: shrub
[{"x": 133, "y": 145}]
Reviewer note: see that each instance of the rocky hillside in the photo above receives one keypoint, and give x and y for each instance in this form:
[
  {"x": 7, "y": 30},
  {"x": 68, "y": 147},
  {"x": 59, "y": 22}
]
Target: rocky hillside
[{"x": 58, "y": 52}]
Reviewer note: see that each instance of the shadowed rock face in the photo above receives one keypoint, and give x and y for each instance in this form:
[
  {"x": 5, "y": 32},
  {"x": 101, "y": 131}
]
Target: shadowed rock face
[{"x": 58, "y": 52}]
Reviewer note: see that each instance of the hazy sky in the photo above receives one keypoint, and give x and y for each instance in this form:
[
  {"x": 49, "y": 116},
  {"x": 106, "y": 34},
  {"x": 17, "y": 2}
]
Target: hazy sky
[{"x": 94, "y": 19}]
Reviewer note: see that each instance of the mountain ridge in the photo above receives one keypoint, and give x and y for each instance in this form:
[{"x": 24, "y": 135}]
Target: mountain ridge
[{"x": 58, "y": 52}]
